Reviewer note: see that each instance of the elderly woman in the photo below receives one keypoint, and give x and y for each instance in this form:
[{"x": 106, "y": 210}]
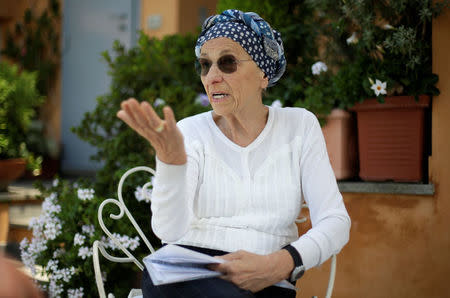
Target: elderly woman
[{"x": 230, "y": 182}]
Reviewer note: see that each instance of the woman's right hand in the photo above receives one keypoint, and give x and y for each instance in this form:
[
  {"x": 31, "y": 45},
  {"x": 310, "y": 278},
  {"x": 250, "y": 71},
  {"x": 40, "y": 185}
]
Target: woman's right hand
[{"x": 163, "y": 135}]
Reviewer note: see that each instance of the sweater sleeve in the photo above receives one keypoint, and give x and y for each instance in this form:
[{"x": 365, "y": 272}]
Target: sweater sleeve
[
  {"x": 330, "y": 220},
  {"x": 173, "y": 193}
]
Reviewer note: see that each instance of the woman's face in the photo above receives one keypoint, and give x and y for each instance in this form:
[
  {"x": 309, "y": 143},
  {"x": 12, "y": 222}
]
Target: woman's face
[{"x": 231, "y": 93}]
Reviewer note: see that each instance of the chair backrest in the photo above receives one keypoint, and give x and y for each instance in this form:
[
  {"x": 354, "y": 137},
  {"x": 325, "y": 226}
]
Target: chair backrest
[{"x": 100, "y": 246}]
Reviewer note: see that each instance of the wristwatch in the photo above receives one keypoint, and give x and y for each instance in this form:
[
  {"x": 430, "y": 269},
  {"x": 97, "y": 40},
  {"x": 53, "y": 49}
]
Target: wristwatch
[{"x": 299, "y": 268}]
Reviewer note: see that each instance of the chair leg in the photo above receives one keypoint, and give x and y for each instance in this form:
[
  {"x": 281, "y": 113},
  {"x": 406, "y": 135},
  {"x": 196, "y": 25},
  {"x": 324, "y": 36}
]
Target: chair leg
[
  {"x": 332, "y": 277},
  {"x": 97, "y": 271}
]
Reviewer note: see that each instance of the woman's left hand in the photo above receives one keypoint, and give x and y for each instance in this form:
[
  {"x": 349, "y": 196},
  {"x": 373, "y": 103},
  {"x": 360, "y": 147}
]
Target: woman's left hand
[{"x": 255, "y": 272}]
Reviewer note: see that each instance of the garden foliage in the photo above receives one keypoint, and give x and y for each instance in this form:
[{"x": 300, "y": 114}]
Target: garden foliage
[
  {"x": 156, "y": 71},
  {"x": 18, "y": 100}
]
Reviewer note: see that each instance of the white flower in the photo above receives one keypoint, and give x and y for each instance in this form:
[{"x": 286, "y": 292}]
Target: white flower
[
  {"x": 85, "y": 194},
  {"x": 52, "y": 265},
  {"x": 49, "y": 207},
  {"x": 379, "y": 87},
  {"x": 276, "y": 104},
  {"x": 141, "y": 195},
  {"x": 387, "y": 26},
  {"x": 159, "y": 102},
  {"x": 52, "y": 229},
  {"x": 84, "y": 252},
  {"x": 58, "y": 252},
  {"x": 125, "y": 241},
  {"x": 55, "y": 289},
  {"x": 75, "y": 293},
  {"x": 78, "y": 239},
  {"x": 88, "y": 229},
  {"x": 55, "y": 182},
  {"x": 318, "y": 67},
  {"x": 352, "y": 39}
]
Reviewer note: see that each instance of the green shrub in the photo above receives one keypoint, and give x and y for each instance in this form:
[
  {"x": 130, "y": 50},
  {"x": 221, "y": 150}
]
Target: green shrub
[{"x": 18, "y": 100}]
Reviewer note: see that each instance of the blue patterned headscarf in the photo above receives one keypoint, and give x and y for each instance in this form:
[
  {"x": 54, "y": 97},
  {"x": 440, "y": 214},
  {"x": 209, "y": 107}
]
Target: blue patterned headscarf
[{"x": 255, "y": 36}]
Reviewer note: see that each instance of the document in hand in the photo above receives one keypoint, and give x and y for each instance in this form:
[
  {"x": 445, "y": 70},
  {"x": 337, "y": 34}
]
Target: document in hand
[{"x": 173, "y": 263}]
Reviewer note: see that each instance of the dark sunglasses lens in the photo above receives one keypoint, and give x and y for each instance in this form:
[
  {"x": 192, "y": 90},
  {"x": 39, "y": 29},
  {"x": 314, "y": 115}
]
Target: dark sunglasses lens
[
  {"x": 227, "y": 64},
  {"x": 202, "y": 66}
]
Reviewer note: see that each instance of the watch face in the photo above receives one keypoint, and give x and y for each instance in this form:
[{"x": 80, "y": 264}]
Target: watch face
[{"x": 297, "y": 272}]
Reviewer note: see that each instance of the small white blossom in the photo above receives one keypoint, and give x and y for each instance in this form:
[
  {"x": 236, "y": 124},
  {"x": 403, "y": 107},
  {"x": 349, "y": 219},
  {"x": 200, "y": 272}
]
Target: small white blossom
[
  {"x": 142, "y": 195},
  {"x": 379, "y": 87},
  {"x": 78, "y": 239},
  {"x": 58, "y": 252},
  {"x": 387, "y": 26},
  {"x": 53, "y": 228},
  {"x": 352, "y": 39},
  {"x": 318, "y": 67},
  {"x": 55, "y": 289},
  {"x": 276, "y": 104},
  {"x": 84, "y": 252},
  {"x": 52, "y": 265},
  {"x": 159, "y": 102},
  {"x": 88, "y": 229},
  {"x": 55, "y": 182},
  {"x": 85, "y": 194},
  {"x": 124, "y": 240},
  {"x": 75, "y": 293}
]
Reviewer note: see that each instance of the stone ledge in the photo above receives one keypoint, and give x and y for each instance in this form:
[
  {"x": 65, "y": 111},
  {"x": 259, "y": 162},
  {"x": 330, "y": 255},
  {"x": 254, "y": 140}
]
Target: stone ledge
[{"x": 387, "y": 188}]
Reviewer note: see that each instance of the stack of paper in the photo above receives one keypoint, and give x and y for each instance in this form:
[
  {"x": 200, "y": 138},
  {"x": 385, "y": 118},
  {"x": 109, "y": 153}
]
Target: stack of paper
[{"x": 173, "y": 263}]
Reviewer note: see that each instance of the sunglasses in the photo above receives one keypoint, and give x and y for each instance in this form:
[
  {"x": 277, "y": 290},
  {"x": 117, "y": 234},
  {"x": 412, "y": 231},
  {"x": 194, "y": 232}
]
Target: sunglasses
[{"x": 226, "y": 64}]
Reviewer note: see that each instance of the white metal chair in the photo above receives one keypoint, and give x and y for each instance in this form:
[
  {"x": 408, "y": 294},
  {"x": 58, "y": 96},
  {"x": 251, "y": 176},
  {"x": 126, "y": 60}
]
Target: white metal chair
[
  {"x": 100, "y": 246},
  {"x": 332, "y": 276}
]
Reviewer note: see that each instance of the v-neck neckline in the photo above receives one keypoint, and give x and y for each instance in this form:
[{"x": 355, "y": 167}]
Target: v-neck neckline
[{"x": 250, "y": 146}]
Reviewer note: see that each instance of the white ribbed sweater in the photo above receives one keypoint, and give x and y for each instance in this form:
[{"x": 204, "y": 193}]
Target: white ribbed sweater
[{"x": 229, "y": 197}]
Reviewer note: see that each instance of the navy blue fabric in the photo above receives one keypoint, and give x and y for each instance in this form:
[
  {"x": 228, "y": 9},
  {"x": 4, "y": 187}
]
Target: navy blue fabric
[
  {"x": 207, "y": 287},
  {"x": 255, "y": 36}
]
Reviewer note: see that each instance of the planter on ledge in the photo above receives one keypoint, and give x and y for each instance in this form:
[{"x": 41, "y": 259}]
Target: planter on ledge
[
  {"x": 10, "y": 170},
  {"x": 340, "y": 137},
  {"x": 391, "y": 138}
]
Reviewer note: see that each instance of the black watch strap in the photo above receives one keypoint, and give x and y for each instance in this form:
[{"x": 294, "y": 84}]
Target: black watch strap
[{"x": 299, "y": 269}]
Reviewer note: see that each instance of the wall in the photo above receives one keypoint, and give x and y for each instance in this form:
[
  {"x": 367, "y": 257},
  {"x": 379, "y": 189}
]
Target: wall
[
  {"x": 400, "y": 245},
  {"x": 194, "y": 12},
  {"x": 169, "y": 12},
  {"x": 178, "y": 16}
]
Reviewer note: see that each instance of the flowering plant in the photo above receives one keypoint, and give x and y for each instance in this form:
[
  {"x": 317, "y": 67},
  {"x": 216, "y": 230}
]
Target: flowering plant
[
  {"x": 379, "y": 47},
  {"x": 62, "y": 241}
]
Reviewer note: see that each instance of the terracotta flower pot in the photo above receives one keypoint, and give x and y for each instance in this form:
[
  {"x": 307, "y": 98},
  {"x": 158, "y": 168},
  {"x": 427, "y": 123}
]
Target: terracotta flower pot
[
  {"x": 391, "y": 138},
  {"x": 340, "y": 137},
  {"x": 10, "y": 170}
]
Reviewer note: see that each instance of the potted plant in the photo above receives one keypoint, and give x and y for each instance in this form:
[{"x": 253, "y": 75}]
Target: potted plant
[
  {"x": 33, "y": 44},
  {"x": 18, "y": 98},
  {"x": 338, "y": 125},
  {"x": 383, "y": 54}
]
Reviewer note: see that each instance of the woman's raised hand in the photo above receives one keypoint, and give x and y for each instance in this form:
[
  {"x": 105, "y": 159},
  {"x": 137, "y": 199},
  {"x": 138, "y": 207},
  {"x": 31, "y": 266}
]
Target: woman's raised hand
[{"x": 163, "y": 135}]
